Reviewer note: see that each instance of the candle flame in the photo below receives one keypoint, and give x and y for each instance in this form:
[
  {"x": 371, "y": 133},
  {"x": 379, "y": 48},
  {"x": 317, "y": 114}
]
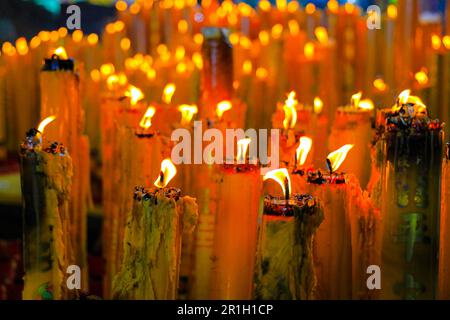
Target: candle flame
[
  {"x": 421, "y": 77},
  {"x": 308, "y": 50},
  {"x": 294, "y": 28},
  {"x": 168, "y": 171},
  {"x": 277, "y": 31},
  {"x": 135, "y": 94},
  {"x": 436, "y": 42},
  {"x": 263, "y": 37},
  {"x": 281, "y": 5},
  {"x": 261, "y": 73},
  {"x": 392, "y": 11},
  {"x": 242, "y": 146},
  {"x": 310, "y": 8},
  {"x": 44, "y": 123},
  {"x": 281, "y": 176},
  {"x": 318, "y": 105},
  {"x": 290, "y": 112},
  {"x": 60, "y": 52},
  {"x": 379, "y": 84},
  {"x": 264, "y": 5},
  {"x": 403, "y": 96},
  {"x": 146, "y": 121},
  {"x": 338, "y": 156},
  {"x": 366, "y": 104},
  {"x": 187, "y": 112},
  {"x": 349, "y": 8},
  {"x": 333, "y": 6},
  {"x": 303, "y": 149},
  {"x": 321, "y": 34},
  {"x": 446, "y": 41},
  {"x": 247, "y": 67},
  {"x": 355, "y": 99},
  {"x": 168, "y": 92},
  {"x": 223, "y": 106}
]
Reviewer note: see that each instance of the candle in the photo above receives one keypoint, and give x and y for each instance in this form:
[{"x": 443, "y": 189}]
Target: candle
[
  {"x": 46, "y": 178},
  {"x": 60, "y": 96},
  {"x": 239, "y": 194},
  {"x": 285, "y": 267},
  {"x": 444, "y": 240},
  {"x": 410, "y": 143},
  {"x": 353, "y": 125},
  {"x": 152, "y": 244}
]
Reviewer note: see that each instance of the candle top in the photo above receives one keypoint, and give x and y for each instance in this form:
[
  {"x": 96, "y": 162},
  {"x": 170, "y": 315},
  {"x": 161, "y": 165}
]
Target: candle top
[
  {"x": 145, "y": 194},
  {"x": 33, "y": 142},
  {"x": 318, "y": 177},
  {"x": 280, "y": 207},
  {"x": 55, "y": 63}
]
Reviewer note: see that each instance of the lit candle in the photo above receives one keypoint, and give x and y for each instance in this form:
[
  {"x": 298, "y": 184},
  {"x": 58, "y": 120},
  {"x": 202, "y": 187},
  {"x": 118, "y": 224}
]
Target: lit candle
[
  {"x": 410, "y": 146},
  {"x": 60, "y": 96},
  {"x": 46, "y": 178},
  {"x": 239, "y": 196},
  {"x": 285, "y": 267},
  {"x": 444, "y": 240},
  {"x": 150, "y": 266}
]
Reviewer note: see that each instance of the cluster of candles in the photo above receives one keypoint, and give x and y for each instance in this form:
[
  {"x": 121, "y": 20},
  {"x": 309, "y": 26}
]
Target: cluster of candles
[{"x": 238, "y": 235}]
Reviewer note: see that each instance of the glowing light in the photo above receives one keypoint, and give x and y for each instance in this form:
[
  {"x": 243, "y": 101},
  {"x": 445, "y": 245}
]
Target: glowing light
[
  {"x": 198, "y": 60},
  {"x": 54, "y": 36},
  {"x": 379, "y": 84},
  {"x": 22, "y": 46},
  {"x": 318, "y": 105},
  {"x": 44, "y": 123},
  {"x": 125, "y": 44},
  {"x": 77, "y": 35},
  {"x": 223, "y": 106},
  {"x": 179, "y": 53},
  {"x": 290, "y": 112},
  {"x": 121, "y": 5},
  {"x": 294, "y": 28},
  {"x": 264, "y": 5},
  {"x": 366, "y": 104},
  {"x": 392, "y": 11},
  {"x": 187, "y": 112},
  {"x": 62, "y": 32},
  {"x": 277, "y": 31},
  {"x": 35, "y": 42},
  {"x": 245, "y": 42},
  {"x": 262, "y": 73},
  {"x": 247, "y": 67},
  {"x": 198, "y": 39},
  {"x": 92, "y": 39},
  {"x": 303, "y": 149},
  {"x": 281, "y": 176},
  {"x": 119, "y": 26},
  {"x": 242, "y": 147},
  {"x": 95, "y": 75},
  {"x": 403, "y": 97},
  {"x": 436, "y": 42},
  {"x": 146, "y": 121},
  {"x": 310, "y": 8},
  {"x": 234, "y": 38},
  {"x": 308, "y": 50},
  {"x": 354, "y": 101},
  {"x": 338, "y": 156},
  {"x": 182, "y": 26},
  {"x": 168, "y": 92},
  {"x": 333, "y": 6},
  {"x": 281, "y": 5},
  {"x": 61, "y": 53},
  {"x": 44, "y": 36},
  {"x": 135, "y": 8},
  {"x": 349, "y": 8},
  {"x": 168, "y": 171},
  {"x": 107, "y": 69},
  {"x": 446, "y": 42},
  {"x": 421, "y": 78},
  {"x": 293, "y": 6},
  {"x": 263, "y": 37},
  {"x": 321, "y": 34},
  {"x": 134, "y": 93}
]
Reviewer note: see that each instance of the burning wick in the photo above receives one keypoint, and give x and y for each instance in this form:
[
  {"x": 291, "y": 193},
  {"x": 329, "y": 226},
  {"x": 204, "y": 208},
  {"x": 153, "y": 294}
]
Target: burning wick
[
  {"x": 242, "y": 150},
  {"x": 135, "y": 94},
  {"x": 223, "y": 106},
  {"x": 337, "y": 157},
  {"x": 281, "y": 176},
  {"x": 168, "y": 171},
  {"x": 290, "y": 112},
  {"x": 146, "y": 121},
  {"x": 187, "y": 113},
  {"x": 168, "y": 92}
]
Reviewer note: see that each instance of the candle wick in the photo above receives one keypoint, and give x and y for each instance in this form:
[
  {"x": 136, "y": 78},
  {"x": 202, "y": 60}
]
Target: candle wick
[
  {"x": 161, "y": 177},
  {"x": 330, "y": 167},
  {"x": 287, "y": 191}
]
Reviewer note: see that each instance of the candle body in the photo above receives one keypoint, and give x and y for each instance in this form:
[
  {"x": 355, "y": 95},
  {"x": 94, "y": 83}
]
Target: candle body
[
  {"x": 60, "y": 96},
  {"x": 285, "y": 268},
  {"x": 152, "y": 244},
  {"x": 46, "y": 179},
  {"x": 444, "y": 253},
  {"x": 410, "y": 210},
  {"x": 235, "y": 235}
]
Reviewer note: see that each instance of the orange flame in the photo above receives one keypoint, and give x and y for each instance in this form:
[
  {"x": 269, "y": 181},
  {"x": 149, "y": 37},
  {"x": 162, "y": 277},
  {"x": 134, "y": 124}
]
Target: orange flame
[
  {"x": 60, "y": 52},
  {"x": 223, "y": 106},
  {"x": 318, "y": 105},
  {"x": 281, "y": 176},
  {"x": 321, "y": 35},
  {"x": 421, "y": 77},
  {"x": 242, "y": 146},
  {"x": 308, "y": 50},
  {"x": 392, "y": 11},
  {"x": 168, "y": 171},
  {"x": 354, "y": 101},
  {"x": 168, "y": 92},
  {"x": 337, "y": 157},
  {"x": 366, "y": 104},
  {"x": 290, "y": 113},
  {"x": 187, "y": 112},
  {"x": 303, "y": 149},
  {"x": 44, "y": 123},
  {"x": 379, "y": 84},
  {"x": 146, "y": 121},
  {"x": 436, "y": 42},
  {"x": 134, "y": 93}
]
